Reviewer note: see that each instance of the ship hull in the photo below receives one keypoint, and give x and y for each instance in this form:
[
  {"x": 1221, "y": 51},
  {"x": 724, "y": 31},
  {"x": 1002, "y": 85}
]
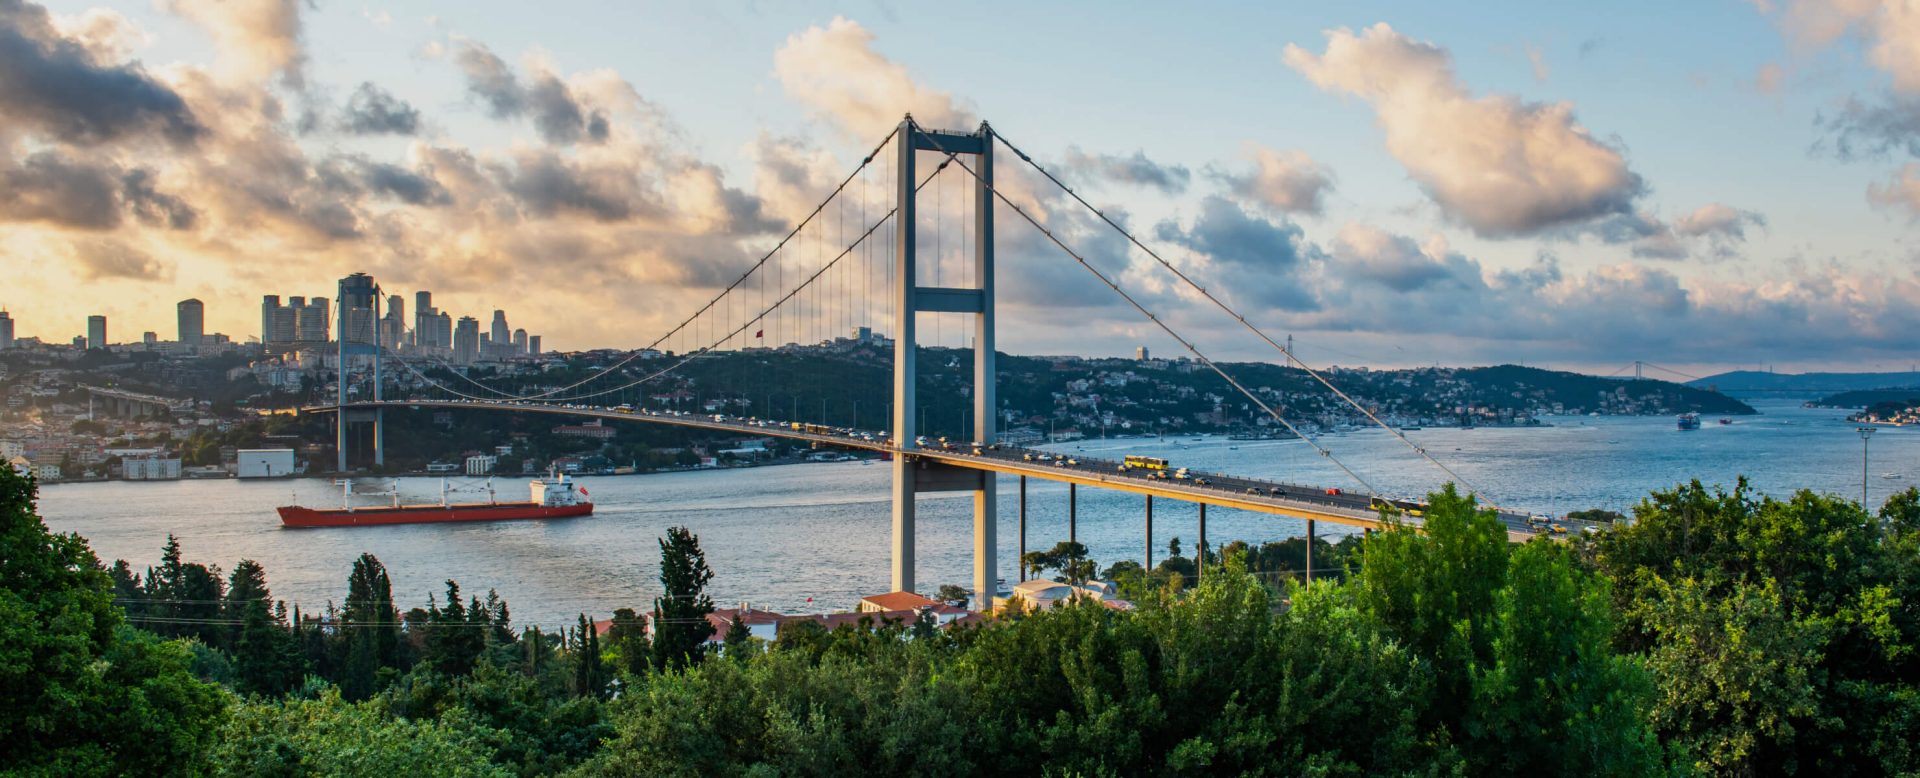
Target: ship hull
[{"x": 296, "y": 516}]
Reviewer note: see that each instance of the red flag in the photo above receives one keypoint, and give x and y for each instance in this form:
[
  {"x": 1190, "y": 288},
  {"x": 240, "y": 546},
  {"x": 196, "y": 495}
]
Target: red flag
[
  {"x": 583, "y": 491},
  {"x": 759, "y": 333}
]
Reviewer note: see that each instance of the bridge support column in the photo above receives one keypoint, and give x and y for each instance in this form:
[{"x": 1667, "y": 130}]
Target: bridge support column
[
  {"x": 1309, "y": 552},
  {"x": 1022, "y": 560},
  {"x": 904, "y": 352},
  {"x": 1149, "y": 556},
  {"x": 986, "y": 408},
  {"x": 1200, "y": 555},
  {"x": 1073, "y": 513}
]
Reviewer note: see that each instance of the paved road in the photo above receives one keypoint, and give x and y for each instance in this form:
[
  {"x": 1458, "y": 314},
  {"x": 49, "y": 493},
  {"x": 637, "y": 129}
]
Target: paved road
[{"x": 1272, "y": 497}]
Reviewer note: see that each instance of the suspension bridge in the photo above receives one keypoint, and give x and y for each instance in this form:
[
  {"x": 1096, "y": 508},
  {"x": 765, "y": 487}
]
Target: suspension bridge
[{"x": 873, "y": 258}]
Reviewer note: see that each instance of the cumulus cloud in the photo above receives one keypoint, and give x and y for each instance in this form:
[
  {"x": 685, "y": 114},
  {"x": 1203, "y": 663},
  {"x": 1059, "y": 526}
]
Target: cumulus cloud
[
  {"x": 257, "y": 39},
  {"x": 556, "y": 111},
  {"x": 61, "y": 88},
  {"x": 1135, "y": 169},
  {"x": 1285, "y": 181},
  {"x": 375, "y": 111},
  {"x": 1365, "y": 252},
  {"x": 1497, "y": 164},
  {"x": 52, "y": 188},
  {"x": 1264, "y": 256},
  {"x": 1717, "y": 219},
  {"x": 835, "y": 72}
]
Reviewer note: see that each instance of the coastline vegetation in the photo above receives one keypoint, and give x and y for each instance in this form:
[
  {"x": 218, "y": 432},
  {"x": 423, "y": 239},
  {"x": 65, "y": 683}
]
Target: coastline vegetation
[{"x": 1715, "y": 633}]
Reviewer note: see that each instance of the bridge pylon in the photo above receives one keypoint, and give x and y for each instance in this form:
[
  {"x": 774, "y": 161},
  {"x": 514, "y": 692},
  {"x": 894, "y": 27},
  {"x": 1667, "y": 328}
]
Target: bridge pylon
[{"x": 910, "y": 299}]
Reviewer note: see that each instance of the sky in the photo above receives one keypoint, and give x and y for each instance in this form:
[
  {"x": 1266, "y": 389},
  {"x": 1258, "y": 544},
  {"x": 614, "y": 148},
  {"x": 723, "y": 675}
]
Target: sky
[{"x": 1702, "y": 186}]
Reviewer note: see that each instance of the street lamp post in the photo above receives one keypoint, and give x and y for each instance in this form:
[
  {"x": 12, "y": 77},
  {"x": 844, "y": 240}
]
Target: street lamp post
[{"x": 1865, "y": 434}]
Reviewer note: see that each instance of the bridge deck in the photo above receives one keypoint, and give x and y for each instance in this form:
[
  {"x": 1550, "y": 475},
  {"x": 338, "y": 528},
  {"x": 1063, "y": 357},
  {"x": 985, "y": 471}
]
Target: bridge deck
[{"x": 1229, "y": 491}]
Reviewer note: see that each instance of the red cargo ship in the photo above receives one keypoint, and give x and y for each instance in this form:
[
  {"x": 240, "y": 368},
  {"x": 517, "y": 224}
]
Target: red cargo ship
[{"x": 553, "y": 498}]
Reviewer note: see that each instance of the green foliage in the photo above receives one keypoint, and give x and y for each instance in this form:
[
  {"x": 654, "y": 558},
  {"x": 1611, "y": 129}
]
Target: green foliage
[
  {"x": 332, "y": 737},
  {"x": 1780, "y": 633},
  {"x": 81, "y": 694},
  {"x": 680, "y": 613},
  {"x": 371, "y": 628},
  {"x": 1067, "y": 558}
]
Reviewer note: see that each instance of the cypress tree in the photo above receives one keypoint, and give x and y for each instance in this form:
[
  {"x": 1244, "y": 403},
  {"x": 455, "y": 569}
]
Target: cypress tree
[
  {"x": 371, "y": 627},
  {"x": 680, "y": 621}
]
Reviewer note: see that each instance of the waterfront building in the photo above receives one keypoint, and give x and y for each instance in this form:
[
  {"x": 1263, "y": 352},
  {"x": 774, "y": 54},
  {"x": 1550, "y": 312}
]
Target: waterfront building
[
  {"x": 192, "y": 315},
  {"x": 96, "y": 331}
]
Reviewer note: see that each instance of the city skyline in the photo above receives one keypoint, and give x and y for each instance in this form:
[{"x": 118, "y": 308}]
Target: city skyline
[{"x": 1392, "y": 185}]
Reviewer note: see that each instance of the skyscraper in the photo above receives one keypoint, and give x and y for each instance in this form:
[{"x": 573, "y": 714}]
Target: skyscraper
[
  {"x": 424, "y": 319},
  {"x": 309, "y": 323},
  {"x": 6, "y": 331},
  {"x": 96, "y": 331},
  {"x": 533, "y": 345},
  {"x": 269, "y": 308},
  {"x": 393, "y": 322},
  {"x": 501, "y": 334},
  {"x": 443, "y": 332},
  {"x": 466, "y": 341},
  {"x": 193, "y": 322}
]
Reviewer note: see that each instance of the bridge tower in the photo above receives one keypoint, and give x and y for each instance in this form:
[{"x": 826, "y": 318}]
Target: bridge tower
[
  {"x": 357, "y": 331},
  {"x": 910, "y": 298}
]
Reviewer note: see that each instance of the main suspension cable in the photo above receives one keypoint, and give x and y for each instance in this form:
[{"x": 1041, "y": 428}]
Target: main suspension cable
[
  {"x": 1167, "y": 328},
  {"x": 1024, "y": 157}
]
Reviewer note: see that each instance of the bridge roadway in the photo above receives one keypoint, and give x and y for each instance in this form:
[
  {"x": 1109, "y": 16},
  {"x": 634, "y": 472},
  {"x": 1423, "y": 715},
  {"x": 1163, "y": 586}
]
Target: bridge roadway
[{"x": 1229, "y": 491}]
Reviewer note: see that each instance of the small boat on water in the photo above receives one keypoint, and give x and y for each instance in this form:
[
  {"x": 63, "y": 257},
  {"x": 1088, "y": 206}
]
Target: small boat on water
[
  {"x": 1689, "y": 421},
  {"x": 554, "y": 497},
  {"x": 1724, "y": 421}
]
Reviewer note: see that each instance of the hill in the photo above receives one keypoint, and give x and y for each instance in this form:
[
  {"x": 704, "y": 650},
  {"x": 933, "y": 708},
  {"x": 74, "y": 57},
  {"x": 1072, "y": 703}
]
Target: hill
[
  {"x": 1866, "y": 397},
  {"x": 1759, "y": 383}
]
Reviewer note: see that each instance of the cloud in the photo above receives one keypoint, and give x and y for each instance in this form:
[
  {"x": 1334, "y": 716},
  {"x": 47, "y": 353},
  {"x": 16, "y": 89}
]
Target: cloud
[
  {"x": 1902, "y": 190},
  {"x": 1134, "y": 169},
  {"x": 557, "y": 113},
  {"x": 1265, "y": 255},
  {"x": 1396, "y": 262},
  {"x": 60, "y": 89},
  {"x": 1718, "y": 220},
  {"x": 375, "y": 111},
  {"x": 1501, "y": 166},
  {"x": 99, "y": 258},
  {"x": 257, "y": 38},
  {"x": 1285, "y": 181},
  {"x": 835, "y": 72},
  {"x": 1538, "y": 60},
  {"x": 51, "y": 188}
]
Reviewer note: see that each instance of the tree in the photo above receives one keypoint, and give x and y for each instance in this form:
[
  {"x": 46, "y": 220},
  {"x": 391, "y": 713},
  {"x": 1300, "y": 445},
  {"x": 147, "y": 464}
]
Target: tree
[
  {"x": 1066, "y": 557},
  {"x": 371, "y": 626},
  {"x": 80, "y": 693},
  {"x": 264, "y": 653},
  {"x": 330, "y": 736},
  {"x": 627, "y": 637},
  {"x": 954, "y": 593},
  {"x": 680, "y": 613},
  {"x": 738, "y": 640},
  {"x": 589, "y": 679},
  {"x": 454, "y": 639}
]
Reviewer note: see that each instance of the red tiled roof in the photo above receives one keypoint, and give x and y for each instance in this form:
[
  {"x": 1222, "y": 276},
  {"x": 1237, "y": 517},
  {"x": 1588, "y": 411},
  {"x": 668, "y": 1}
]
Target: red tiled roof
[{"x": 898, "y": 601}]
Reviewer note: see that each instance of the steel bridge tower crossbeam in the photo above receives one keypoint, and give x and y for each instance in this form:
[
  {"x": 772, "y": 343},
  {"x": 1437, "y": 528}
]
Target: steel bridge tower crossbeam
[{"x": 909, "y": 300}]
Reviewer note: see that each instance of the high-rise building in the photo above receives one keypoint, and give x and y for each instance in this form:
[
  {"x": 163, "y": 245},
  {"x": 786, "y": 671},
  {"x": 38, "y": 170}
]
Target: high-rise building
[
  {"x": 149, "y": 338},
  {"x": 443, "y": 332},
  {"x": 269, "y": 307},
  {"x": 96, "y": 331},
  {"x": 193, "y": 322},
  {"x": 6, "y": 331},
  {"x": 501, "y": 333},
  {"x": 533, "y": 345},
  {"x": 466, "y": 341},
  {"x": 519, "y": 342},
  {"x": 1140, "y": 353},
  {"x": 309, "y": 323},
  {"x": 423, "y": 322},
  {"x": 393, "y": 322}
]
